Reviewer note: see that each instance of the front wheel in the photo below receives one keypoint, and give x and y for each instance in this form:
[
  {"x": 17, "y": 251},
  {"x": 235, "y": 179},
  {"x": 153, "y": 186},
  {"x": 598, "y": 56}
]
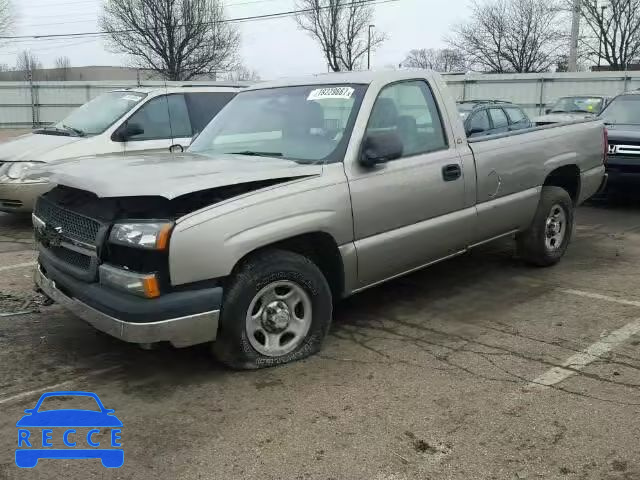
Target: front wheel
[
  {"x": 546, "y": 241},
  {"x": 277, "y": 310}
]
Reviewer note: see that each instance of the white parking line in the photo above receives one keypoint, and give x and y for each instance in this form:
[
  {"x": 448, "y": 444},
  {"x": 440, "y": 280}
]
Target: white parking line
[
  {"x": 580, "y": 360},
  {"x": 19, "y": 265},
  {"x": 57, "y": 386},
  {"x": 606, "y": 298}
]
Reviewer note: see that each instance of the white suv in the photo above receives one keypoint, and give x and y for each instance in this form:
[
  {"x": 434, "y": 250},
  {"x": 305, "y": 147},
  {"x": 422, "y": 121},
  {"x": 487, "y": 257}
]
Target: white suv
[{"x": 120, "y": 121}]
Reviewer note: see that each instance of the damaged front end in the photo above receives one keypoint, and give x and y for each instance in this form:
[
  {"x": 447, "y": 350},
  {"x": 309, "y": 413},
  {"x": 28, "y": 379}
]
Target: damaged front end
[
  {"x": 107, "y": 259},
  {"x": 80, "y": 232}
]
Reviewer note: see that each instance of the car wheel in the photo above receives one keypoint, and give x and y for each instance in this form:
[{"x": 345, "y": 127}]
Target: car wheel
[
  {"x": 547, "y": 239},
  {"x": 276, "y": 310}
]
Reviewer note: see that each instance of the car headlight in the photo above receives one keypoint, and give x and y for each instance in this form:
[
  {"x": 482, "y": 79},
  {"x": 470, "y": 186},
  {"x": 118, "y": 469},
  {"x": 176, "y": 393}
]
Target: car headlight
[
  {"x": 140, "y": 284},
  {"x": 152, "y": 235},
  {"x": 13, "y": 172}
]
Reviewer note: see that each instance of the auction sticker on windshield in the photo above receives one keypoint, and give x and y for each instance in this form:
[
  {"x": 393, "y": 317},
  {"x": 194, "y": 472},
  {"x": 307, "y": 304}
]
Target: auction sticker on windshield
[{"x": 331, "y": 92}]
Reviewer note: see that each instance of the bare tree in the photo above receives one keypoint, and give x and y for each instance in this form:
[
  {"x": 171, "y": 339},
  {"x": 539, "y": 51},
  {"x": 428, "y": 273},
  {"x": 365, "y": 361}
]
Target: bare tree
[
  {"x": 62, "y": 68},
  {"x": 181, "y": 39},
  {"x": 341, "y": 27},
  {"x": 28, "y": 67},
  {"x": 613, "y": 33},
  {"x": 445, "y": 60},
  {"x": 6, "y": 16},
  {"x": 511, "y": 35},
  {"x": 242, "y": 74}
]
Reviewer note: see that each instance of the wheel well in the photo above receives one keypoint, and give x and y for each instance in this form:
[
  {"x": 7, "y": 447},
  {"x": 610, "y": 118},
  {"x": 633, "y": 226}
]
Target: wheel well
[
  {"x": 567, "y": 177},
  {"x": 321, "y": 249}
]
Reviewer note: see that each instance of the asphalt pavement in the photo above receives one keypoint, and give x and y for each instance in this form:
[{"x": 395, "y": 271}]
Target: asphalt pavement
[{"x": 478, "y": 368}]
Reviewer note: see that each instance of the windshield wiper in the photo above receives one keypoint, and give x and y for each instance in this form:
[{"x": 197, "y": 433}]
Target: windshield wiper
[
  {"x": 251, "y": 153},
  {"x": 77, "y": 131},
  {"x": 53, "y": 131}
]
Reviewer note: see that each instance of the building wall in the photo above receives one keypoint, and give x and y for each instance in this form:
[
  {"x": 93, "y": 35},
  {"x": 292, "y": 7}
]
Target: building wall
[{"x": 25, "y": 105}]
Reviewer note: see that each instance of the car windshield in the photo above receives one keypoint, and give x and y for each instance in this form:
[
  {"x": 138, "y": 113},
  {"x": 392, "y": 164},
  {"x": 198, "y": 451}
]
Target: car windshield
[
  {"x": 466, "y": 108},
  {"x": 100, "y": 113},
  {"x": 624, "y": 110},
  {"x": 578, "y": 104},
  {"x": 306, "y": 124},
  {"x": 69, "y": 402}
]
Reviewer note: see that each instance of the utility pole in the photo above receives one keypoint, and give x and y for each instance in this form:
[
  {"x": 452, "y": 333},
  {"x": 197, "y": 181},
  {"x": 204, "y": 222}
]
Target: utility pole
[
  {"x": 369, "y": 48},
  {"x": 575, "y": 34}
]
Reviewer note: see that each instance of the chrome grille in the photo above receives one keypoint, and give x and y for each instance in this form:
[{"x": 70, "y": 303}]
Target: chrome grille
[
  {"x": 68, "y": 239},
  {"x": 72, "y": 224}
]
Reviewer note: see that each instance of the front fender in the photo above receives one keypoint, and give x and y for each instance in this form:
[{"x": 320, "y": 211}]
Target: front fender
[{"x": 210, "y": 244}]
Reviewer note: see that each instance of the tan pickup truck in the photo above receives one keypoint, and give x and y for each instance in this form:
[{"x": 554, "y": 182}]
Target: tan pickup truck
[{"x": 297, "y": 194}]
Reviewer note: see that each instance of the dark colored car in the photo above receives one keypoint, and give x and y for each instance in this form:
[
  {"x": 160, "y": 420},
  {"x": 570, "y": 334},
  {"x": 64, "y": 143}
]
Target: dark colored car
[
  {"x": 622, "y": 118},
  {"x": 491, "y": 117}
]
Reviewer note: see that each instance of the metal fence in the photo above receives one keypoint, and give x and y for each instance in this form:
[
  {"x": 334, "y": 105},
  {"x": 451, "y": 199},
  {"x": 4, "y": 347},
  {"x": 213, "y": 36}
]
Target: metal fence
[
  {"x": 23, "y": 105},
  {"x": 534, "y": 92}
]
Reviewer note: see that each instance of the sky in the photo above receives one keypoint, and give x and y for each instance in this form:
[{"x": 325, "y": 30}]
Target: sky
[{"x": 274, "y": 48}]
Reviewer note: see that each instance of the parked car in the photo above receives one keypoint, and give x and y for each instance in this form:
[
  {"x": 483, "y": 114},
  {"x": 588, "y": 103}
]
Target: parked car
[
  {"x": 571, "y": 109},
  {"x": 622, "y": 118},
  {"x": 491, "y": 117},
  {"x": 301, "y": 192},
  {"x": 118, "y": 122}
]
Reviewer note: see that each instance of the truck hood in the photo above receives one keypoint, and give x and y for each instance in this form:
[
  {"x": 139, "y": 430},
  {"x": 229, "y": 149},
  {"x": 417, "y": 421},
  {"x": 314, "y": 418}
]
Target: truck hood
[
  {"x": 563, "y": 117},
  {"x": 168, "y": 175},
  {"x": 36, "y": 148},
  {"x": 624, "y": 133}
]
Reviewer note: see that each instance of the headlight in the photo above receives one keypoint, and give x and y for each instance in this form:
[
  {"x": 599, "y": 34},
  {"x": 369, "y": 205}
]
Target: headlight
[
  {"x": 11, "y": 172},
  {"x": 140, "y": 284},
  {"x": 149, "y": 235}
]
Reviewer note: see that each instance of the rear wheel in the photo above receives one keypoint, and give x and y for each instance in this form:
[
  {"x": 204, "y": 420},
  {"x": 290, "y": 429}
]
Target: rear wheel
[
  {"x": 277, "y": 310},
  {"x": 547, "y": 239}
]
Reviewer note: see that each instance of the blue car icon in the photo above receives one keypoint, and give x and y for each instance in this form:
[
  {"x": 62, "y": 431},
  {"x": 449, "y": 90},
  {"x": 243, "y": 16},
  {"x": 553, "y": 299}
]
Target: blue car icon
[{"x": 33, "y": 446}]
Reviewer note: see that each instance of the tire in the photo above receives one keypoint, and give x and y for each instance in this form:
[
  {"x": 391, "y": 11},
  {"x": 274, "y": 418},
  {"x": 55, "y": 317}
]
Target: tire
[
  {"x": 535, "y": 246},
  {"x": 252, "y": 286}
]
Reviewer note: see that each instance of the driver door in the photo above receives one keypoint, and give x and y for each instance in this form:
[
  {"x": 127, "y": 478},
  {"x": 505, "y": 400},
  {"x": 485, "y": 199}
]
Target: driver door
[
  {"x": 410, "y": 211},
  {"x": 165, "y": 121}
]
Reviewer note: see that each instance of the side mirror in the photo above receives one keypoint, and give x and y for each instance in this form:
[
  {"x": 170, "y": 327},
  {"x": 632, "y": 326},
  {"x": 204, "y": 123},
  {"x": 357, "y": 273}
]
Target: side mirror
[
  {"x": 380, "y": 148},
  {"x": 547, "y": 111},
  {"x": 126, "y": 131},
  {"x": 474, "y": 131}
]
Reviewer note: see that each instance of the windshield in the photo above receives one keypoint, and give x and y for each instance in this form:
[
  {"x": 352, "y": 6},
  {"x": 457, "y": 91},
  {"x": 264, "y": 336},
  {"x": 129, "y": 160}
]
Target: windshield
[
  {"x": 100, "y": 113},
  {"x": 578, "y": 104},
  {"x": 306, "y": 124},
  {"x": 466, "y": 108},
  {"x": 624, "y": 110}
]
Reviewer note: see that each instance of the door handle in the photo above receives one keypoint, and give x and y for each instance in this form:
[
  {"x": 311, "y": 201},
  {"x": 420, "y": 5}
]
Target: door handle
[{"x": 451, "y": 172}]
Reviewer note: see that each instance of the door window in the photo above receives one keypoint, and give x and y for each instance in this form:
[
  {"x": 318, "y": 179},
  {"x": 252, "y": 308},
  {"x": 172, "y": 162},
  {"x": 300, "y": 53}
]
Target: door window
[
  {"x": 499, "y": 118},
  {"x": 409, "y": 109},
  {"x": 204, "y": 106},
  {"x": 516, "y": 115},
  {"x": 478, "y": 124},
  {"x": 163, "y": 117}
]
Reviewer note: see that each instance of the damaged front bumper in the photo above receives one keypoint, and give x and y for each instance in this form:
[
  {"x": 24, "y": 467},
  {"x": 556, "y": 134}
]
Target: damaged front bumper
[{"x": 170, "y": 318}]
